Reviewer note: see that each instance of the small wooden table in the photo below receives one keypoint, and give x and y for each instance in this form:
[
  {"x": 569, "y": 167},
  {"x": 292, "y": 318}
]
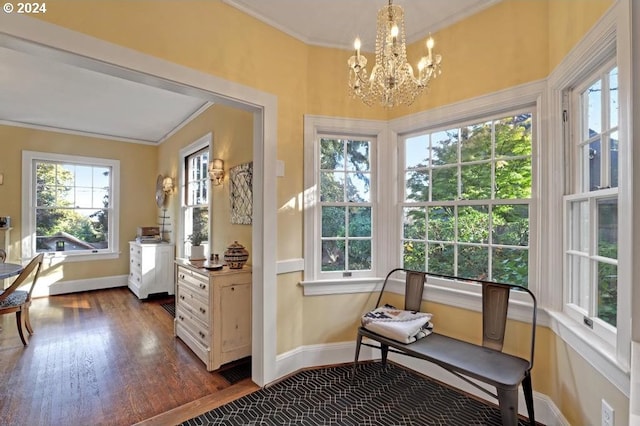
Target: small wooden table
[{"x": 9, "y": 270}]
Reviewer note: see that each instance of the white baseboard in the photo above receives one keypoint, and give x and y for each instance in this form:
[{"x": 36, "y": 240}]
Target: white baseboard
[
  {"x": 47, "y": 287},
  {"x": 339, "y": 353}
]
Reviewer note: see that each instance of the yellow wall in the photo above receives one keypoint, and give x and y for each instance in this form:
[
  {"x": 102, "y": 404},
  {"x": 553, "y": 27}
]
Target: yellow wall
[
  {"x": 513, "y": 42},
  {"x": 232, "y": 140},
  {"x": 137, "y": 171}
]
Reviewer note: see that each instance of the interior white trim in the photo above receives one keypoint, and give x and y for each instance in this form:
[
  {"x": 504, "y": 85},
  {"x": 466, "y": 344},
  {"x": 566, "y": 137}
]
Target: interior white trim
[
  {"x": 50, "y": 286},
  {"x": 290, "y": 265},
  {"x": 38, "y": 37}
]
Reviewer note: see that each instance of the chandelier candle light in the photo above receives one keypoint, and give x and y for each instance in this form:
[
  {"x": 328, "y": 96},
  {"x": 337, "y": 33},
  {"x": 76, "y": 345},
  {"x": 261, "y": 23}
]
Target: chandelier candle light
[{"x": 392, "y": 81}]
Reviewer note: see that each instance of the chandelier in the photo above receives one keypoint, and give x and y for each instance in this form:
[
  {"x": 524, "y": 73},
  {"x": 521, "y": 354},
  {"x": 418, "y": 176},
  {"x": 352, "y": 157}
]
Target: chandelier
[{"x": 392, "y": 81}]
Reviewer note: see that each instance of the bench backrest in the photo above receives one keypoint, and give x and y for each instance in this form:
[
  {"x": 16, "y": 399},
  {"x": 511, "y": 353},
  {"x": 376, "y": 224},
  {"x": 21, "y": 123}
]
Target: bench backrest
[{"x": 495, "y": 304}]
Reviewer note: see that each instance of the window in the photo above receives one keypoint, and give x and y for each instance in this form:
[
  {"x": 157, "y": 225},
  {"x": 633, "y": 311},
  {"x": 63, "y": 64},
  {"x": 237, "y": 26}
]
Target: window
[
  {"x": 591, "y": 208},
  {"x": 72, "y": 207},
  {"x": 467, "y": 199},
  {"x": 196, "y": 199},
  {"x": 341, "y": 210},
  {"x": 194, "y": 185},
  {"x": 345, "y": 204}
]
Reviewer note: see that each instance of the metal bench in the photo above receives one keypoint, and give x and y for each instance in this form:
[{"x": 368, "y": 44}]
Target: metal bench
[{"x": 486, "y": 363}]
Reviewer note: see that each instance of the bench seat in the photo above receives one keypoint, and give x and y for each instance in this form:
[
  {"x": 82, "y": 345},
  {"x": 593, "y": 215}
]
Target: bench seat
[
  {"x": 486, "y": 365},
  {"x": 484, "y": 362}
]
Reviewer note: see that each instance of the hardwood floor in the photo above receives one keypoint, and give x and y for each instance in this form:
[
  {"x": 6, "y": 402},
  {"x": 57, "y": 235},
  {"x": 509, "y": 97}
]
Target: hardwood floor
[{"x": 103, "y": 358}]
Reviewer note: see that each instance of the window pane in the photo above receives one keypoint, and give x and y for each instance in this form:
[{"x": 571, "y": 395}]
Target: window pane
[
  {"x": 71, "y": 229},
  {"x": 473, "y": 262},
  {"x": 101, "y": 176},
  {"x": 591, "y": 166},
  {"x": 444, "y": 184},
  {"x": 513, "y": 136},
  {"x": 414, "y": 255},
  {"x": 579, "y": 279},
  {"x": 359, "y": 255},
  {"x": 476, "y": 182},
  {"x": 358, "y": 156},
  {"x": 359, "y": 222},
  {"x": 511, "y": 224},
  {"x": 441, "y": 224},
  {"x": 473, "y": 224},
  {"x": 475, "y": 142},
  {"x": 441, "y": 258},
  {"x": 613, "y": 98},
  {"x": 613, "y": 159},
  {"x": 100, "y": 198},
  {"x": 333, "y": 221},
  {"x": 331, "y": 154},
  {"x": 358, "y": 185},
  {"x": 510, "y": 266},
  {"x": 83, "y": 197},
  {"x": 607, "y": 292},
  {"x": 333, "y": 255},
  {"x": 444, "y": 147},
  {"x": 513, "y": 179},
  {"x": 579, "y": 226},
  {"x": 416, "y": 152},
  {"x": 417, "y": 185},
  {"x": 414, "y": 223},
  {"x": 594, "y": 109},
  {"x": 608, "y": 228},
  {"x": 332, "y": 187}
]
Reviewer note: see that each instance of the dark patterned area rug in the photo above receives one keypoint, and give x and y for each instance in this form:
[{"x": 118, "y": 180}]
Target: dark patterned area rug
[
  {"x": 377, "y": 397},
  {"x": 170, "y": 308},
  {"x": 237, "y": 371}
]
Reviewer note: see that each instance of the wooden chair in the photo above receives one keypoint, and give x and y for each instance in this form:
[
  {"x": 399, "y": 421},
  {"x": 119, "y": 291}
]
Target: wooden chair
[
  {"x": 19, "y": 301},
  {"x": 486, "y": 362},
  {"x": 3, "y": 255}
]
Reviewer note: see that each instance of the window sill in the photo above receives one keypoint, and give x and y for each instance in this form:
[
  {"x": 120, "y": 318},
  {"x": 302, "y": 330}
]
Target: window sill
[
  {"x": 341, "y": 286},
  {"x": 596, "y": 351},
  {"x": 59, "y": 257}
]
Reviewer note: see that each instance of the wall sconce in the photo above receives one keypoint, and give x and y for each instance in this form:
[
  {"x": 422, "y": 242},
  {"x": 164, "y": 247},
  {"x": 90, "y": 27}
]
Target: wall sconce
[
  {"x": 216, "y": 171},
  {"x": 167, "y": 185}
]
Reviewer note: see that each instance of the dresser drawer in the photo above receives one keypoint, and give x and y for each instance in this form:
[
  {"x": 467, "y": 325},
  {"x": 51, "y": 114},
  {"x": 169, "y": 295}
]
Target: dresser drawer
[
  {"x": 198, "y": 283},
  {"x": 191, "y": 302},
  {"x": 195, "y": 328},
  {"x": 194, "y": 344}
]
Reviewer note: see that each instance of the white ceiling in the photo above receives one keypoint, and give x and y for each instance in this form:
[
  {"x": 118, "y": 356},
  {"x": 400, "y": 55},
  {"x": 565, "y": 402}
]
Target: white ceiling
[{"x": 55, "y": 95}]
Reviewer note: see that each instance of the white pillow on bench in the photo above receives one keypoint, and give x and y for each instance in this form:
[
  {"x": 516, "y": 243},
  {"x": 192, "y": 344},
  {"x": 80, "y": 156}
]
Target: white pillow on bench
[{"x": 397, "y": 324}]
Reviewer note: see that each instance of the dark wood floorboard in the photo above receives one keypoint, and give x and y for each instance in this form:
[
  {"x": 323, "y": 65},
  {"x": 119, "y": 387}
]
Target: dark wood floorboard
[{"x": 98, "y": 358}]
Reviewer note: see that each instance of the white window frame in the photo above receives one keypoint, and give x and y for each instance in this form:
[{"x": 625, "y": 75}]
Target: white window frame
[
  {"x": 527, "y": 96},
  {"x": 457, "y": 203},
  {"x": 315, "y": 128},
  {"x": 29, "y": 158},
  {"x": 205, "y": 141},
  {"x": 577, "y": 193},
  {"x": 609, "y": 37}
]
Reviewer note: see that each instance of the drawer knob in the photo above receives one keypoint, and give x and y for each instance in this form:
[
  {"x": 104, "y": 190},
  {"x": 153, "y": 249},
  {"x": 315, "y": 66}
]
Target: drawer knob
[
  {"x": 203, "y": 310},
  {"x": 201, "y": 334},
  {"x": 203, "y": 286},
  {"x": 181, "y": 317},
  {"x": 182, "y": 297}
]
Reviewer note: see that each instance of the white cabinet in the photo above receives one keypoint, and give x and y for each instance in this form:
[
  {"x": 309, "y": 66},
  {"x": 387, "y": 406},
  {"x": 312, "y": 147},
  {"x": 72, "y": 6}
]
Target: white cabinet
[
  {"x": 213, "y": 313},
  {"x": 150, "y": 268}
]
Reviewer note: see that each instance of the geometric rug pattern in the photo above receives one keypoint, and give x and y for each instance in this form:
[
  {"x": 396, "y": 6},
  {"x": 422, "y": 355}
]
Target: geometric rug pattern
[{"x": 378, "y": 396}]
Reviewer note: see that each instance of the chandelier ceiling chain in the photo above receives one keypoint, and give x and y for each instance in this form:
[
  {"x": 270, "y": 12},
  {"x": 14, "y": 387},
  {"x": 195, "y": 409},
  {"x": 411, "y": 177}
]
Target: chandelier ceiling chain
[{"x": 392, "y": 80}]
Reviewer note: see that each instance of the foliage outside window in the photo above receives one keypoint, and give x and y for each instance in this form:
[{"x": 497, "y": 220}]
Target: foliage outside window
[
  {"x": 345, "y": 204},
  {"x": 196, "y": 199},
  {"x": 592, "y": 208},
  {"x": 467, "y": 199},
  {"x": 73, "y": 208}
]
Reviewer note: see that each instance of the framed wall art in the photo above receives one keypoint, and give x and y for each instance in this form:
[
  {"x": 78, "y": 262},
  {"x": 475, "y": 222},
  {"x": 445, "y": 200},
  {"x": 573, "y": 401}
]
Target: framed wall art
[{"x": 241, "y": 193}]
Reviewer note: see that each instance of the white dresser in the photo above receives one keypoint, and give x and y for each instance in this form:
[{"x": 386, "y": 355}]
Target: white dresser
[
  {"x": 213, "y": 312},
  {"x": 150, "y": 268}
]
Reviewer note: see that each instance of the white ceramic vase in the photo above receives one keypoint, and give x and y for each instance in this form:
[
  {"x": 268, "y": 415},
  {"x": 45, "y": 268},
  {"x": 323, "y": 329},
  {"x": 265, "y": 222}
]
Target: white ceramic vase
[{"x": 197, "y": 253}]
